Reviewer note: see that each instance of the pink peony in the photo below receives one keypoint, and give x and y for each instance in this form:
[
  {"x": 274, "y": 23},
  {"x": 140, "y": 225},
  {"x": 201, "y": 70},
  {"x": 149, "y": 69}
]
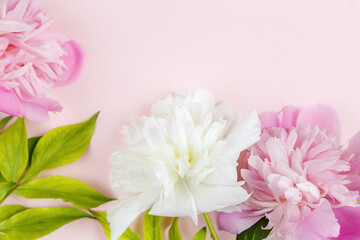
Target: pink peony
[
  {"x": 33, "y": 59},
  {"x": 300, "y": 177}
]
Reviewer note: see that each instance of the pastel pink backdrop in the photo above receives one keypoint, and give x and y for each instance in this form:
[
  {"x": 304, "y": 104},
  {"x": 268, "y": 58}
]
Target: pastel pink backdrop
[{"x": 253, "y": 54}]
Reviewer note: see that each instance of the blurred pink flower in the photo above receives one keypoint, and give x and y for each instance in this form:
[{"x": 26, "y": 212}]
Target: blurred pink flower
[
  {"x": 300, "y": 177},
  {"x": 33, "y": 59}
]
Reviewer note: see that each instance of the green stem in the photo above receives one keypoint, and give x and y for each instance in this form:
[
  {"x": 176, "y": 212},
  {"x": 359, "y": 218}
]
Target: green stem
[
  {"x": 211, "y": 227},
  {"x": 18, "y": 183},
  {"x": 8, "y": 193}
]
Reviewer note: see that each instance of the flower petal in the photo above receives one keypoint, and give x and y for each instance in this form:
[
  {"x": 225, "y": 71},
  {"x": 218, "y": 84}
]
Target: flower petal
[
  {"x": 319, "y": 225},
  {"x": 289, "y": 115},
  {"x": 245, "y": 133},
  {"x": 73, "y": 61},
  {"x": 8, "y": 26},
  {"x": 349, "y": 219},
  {"x": 236, "y": 222},
  {"x": 10, "y": 103},
  {"x": 322, "y": 116},
  {"x": 354, "y": 174},
  {"x": 269, "y": 119},
  {"x": 37, "y": 109},
  {"x": 203, "y": 103},
  {"x": 122, "y": 213},
  {"x": 210, "y": 197},
  {"x": 178, "y": 202}
]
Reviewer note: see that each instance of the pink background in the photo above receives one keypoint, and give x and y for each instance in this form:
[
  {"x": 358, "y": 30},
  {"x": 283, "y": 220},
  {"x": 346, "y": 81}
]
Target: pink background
[{"x": 253, "y": 54}]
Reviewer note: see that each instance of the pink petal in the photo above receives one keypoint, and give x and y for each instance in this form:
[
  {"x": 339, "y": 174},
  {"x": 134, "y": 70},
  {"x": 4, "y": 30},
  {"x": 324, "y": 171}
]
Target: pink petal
[
  {"x": 37, "y": 110},
  {"x": 269, "y": 119},
  {"x": 4, "y": 43},
  {"x": 9, "y": 26},
  {"x": 354, "y": 174},
  {"x": 9, "y": 102},
  {"x": 349, "y": 219},
  {"x": 236, "y": 222},
  {"x": 354, "y": 144},
  {"x": 322, "y": 116},
  {"x": 289, "y": 115},
  {"x": 286, "y": 119},
  {"x": 73, "y": 61},
  {"x": 319, "y": 225}
]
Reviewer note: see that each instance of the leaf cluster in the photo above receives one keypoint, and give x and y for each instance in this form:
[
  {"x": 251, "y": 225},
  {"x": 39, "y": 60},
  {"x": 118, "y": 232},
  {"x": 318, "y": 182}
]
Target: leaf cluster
[{"x": 21, "y": 161}]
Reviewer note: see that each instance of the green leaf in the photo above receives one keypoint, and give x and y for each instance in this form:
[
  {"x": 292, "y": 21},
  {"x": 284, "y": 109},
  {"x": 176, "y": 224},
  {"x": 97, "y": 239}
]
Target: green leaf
[
  {"x": 2, "y": 179},
  {"x": 34, "y": 223},
  {"x": 3, "y": 237},
  {"x": 61, "y": 146},
  {"x": 256, "y": 231},
  {"x": 9, "y": 210},
  {"x": 69, "y": 190},
  {"x": 151, "y": 227},
  {"x": 174, "y": 232},
  {"x": 4, "y": 121},
  {"x": 129, "y": 235},
  {"x": 201, "y": 234},
  {"x": 31, "y": 146},
  {"x": 101, "y": 218},
  {"x": 5, "y": 188},
  {"x": 13, "y": 151}
]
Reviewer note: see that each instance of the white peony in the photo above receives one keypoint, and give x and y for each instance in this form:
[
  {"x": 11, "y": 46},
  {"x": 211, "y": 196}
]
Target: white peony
[{"x": 181, "y": 161}]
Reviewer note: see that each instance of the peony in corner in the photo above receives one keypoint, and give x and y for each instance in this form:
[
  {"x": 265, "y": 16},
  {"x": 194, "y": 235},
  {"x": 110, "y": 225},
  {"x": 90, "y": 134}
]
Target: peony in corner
[
  {"x": 181, "y": 160},
  {"x": 301, "y": 178},
  {"x": 33, "y": 59}
]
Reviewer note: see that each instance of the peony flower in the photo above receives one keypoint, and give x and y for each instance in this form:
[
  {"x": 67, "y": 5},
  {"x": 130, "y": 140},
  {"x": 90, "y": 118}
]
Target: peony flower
[
  {"x": 33, "y": 59},
  {"x": 181, "y": 160},
  {"x": 300, "y": 177}
]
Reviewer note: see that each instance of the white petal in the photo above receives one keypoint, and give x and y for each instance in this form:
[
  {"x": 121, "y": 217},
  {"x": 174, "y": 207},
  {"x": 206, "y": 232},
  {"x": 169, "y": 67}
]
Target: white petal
[
  {"x": 132, "y": 172},
  {"x": 122, "y": 213},
  {"x": 209, "y": 197},
  {"x": 224, "y": 171},
  {"x": 203, "y": 103},
  {"x": 178, "y": 133},
  {"x": 223, "y": 111},
  {"x": 133, "y": 135},
  {"x": 177, "y": 202},
  {"x": 230, "y": 209},
  {"x": 161, "y": 108},
  {"x": 214, "y": 133},
  {"x": 154, "y": 134},
  {"x": 245, "y": 133}
]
